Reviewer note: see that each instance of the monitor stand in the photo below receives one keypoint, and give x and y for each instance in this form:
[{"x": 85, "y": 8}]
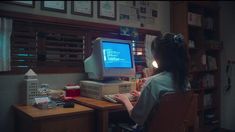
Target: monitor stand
[{"x": 97, "y": 89}]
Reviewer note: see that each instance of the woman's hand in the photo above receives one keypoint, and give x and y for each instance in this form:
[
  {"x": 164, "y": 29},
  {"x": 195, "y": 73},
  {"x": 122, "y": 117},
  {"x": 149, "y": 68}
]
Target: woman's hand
[
  {"x": 135, "y": 93},
  {"x": 140, "y": 83},
  {"x": 122, "y": 98}
]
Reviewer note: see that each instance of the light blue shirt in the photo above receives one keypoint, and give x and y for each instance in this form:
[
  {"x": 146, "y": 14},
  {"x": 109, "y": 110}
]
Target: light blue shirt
[{"x": 162, "y": 82}]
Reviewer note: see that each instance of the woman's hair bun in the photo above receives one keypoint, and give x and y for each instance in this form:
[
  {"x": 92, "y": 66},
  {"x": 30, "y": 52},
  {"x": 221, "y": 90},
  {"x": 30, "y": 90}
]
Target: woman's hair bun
[{"x": 178, "y": 39}]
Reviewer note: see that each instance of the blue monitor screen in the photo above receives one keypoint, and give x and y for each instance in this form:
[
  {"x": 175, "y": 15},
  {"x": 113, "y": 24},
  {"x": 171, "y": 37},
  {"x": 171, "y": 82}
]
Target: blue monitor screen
[{"x": 116, "y": 55}]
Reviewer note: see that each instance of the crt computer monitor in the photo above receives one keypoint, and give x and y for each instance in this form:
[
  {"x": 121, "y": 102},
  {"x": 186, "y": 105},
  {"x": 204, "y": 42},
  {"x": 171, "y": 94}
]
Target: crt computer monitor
[{"x": 110, "y": 58}]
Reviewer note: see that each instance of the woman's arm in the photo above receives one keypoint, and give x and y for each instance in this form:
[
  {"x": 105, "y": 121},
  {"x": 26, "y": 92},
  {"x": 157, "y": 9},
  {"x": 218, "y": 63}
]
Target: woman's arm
[
  {"x": 124, "y": 99},
  {"x": 143, "y": 106}
]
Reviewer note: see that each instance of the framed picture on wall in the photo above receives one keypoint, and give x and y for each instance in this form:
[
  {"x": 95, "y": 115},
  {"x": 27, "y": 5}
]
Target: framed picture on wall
[
  {"x": 27, "y": 3},
  {"x": 107, "y": 10},
  {"x": 58, "y": 6},
  {"x": 83, "y": 8}
]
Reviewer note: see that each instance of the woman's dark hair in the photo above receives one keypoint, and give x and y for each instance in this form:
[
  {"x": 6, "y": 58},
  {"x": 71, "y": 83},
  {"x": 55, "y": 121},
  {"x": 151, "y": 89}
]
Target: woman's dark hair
[{"x": 170, "y": 54}]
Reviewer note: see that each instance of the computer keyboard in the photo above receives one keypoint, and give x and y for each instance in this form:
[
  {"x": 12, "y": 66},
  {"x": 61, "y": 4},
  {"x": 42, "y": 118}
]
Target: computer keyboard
[{"x": 111, "y": 97}]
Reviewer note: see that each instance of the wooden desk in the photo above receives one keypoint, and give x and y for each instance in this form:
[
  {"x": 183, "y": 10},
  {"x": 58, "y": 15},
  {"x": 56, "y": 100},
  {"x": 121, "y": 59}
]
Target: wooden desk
[
  {"x": 102, "y": 110},
  {"x": 31, "y": 119}
]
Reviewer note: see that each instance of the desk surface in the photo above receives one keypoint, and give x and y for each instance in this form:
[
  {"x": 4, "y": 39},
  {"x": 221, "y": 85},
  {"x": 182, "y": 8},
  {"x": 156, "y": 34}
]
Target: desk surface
[
  {"x": 99, "y": 104},
  {"x": 36, "y": 113}
]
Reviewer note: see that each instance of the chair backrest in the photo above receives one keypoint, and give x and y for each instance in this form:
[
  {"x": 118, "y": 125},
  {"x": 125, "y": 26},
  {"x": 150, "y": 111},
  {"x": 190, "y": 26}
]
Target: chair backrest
[{"x": 176, "y": 112}]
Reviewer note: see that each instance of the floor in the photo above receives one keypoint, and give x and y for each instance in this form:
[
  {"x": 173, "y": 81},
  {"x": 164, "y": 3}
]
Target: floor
[{"x": 224, "y": 130}]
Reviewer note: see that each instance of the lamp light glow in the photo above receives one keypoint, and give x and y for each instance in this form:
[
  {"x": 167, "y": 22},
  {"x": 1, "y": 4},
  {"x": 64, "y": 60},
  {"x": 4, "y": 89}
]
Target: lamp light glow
[{"x": 154, "y": 63}]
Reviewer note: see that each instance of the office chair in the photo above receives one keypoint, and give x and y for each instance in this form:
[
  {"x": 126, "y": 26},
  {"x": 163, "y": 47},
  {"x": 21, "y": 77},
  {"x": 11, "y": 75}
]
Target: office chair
[{"x": 176, "y": 112}]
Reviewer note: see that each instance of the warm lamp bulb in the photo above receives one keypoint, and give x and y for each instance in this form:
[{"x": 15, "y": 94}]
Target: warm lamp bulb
[{"x": 154, "y": 63}]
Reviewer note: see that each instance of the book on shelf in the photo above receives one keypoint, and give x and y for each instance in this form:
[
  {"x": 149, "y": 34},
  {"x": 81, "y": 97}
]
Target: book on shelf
[
  {"x": 210, "y": 118},
  {"x": 209, "y": 23},
  {"x": 208, "y": 81},
  {"x": 213, "y": 45},
  {"x": 207, "y": 100},
  {"x": 194, "y": 19},
  {"x": 211, "y": 63}
]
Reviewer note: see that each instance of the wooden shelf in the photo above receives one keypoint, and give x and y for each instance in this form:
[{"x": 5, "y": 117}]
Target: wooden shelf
[
  {"x": 206, "y": 108},
  {"x": 195, "y": 27},
  {"x": 213, "y": 47},
  {"x": 209, "y": 128},
  {"x": 210, "y": 30},
  {"x": 206, "y": 43},
  {"x": 210, "y": 89},
  {"x": 207, "y": 71},
  {"x": 197, "y": 90},
  {"x": 206, "y": 90},
  {"x": 193, "y": 50}
]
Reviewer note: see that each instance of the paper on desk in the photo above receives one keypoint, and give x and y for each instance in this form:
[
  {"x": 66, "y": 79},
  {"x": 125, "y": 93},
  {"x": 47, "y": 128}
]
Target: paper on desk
[{"x": 42, "y": 100}]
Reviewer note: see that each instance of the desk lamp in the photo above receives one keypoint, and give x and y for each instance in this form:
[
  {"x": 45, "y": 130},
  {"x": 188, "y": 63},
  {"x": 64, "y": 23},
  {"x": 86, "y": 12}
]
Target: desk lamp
[{"x": 154, "y": 63}]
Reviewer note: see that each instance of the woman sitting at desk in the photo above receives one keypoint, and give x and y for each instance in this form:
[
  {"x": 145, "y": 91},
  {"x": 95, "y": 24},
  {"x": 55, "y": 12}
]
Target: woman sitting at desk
[{"x": 170, "y": 53}]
